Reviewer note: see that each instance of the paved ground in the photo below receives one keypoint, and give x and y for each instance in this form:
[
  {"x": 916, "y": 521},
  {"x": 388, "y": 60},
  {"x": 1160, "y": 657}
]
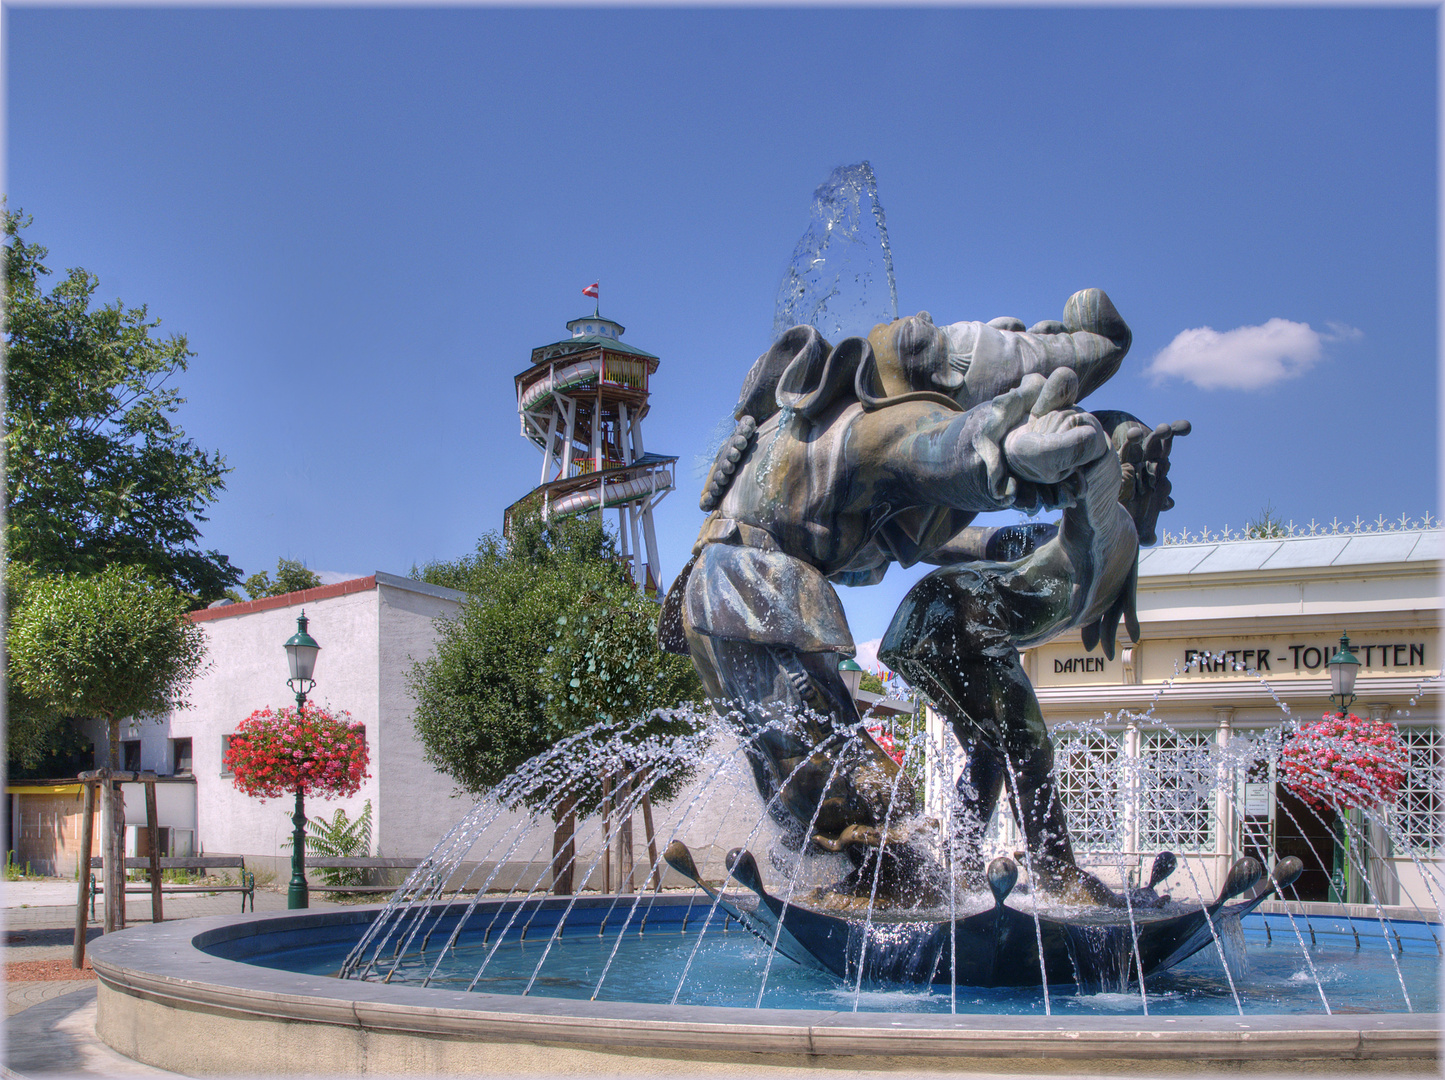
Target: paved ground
[{"x": 50, "y": 1025}]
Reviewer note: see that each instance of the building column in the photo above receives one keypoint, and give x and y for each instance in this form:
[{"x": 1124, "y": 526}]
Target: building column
[
  {"x": 1384, "y": 882},
  {"x": 1223, "y": 797},
  {"x": 1131, "y": 793}
]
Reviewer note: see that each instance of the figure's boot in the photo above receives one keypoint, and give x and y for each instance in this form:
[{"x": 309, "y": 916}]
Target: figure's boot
[
  {"x": 979, "y": 786},
  {"x": 1046, "y": 833}
]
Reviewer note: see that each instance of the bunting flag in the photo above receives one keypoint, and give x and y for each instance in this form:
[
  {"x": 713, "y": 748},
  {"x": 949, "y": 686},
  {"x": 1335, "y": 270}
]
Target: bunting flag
[{"x": 591, "y": 290}]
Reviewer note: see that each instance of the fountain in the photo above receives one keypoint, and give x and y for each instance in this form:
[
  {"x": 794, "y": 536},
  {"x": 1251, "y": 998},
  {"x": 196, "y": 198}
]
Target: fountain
[
  {"x": 889, "y": 921},
  {"x": 732, "y": 975}
]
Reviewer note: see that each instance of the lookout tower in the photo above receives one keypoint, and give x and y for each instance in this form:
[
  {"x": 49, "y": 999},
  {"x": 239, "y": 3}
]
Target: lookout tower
[{"x": 582, "y": 401}]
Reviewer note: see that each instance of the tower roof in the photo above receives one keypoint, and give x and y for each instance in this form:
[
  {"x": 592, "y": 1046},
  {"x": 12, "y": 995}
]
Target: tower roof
[{"x": 588, "y": 332}]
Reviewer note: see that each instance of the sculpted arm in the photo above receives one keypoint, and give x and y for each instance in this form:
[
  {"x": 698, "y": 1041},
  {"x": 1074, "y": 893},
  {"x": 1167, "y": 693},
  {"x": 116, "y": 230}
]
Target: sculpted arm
[
  {"x": 1022, "y": 449},
  {"x": 995, "y": 357}
]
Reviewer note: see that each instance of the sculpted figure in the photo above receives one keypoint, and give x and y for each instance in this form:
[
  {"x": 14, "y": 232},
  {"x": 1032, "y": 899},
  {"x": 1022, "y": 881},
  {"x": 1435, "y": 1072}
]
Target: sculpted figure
[{"x": 883, "y": 450}]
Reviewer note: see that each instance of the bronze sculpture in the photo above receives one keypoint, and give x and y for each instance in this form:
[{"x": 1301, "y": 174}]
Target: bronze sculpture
[{"x": 846, "y": 459}]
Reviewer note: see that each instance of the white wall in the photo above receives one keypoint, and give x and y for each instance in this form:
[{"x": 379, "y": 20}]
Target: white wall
[
  {"x": 417, "y": 805},
  {"x": 246, "y": 671}
]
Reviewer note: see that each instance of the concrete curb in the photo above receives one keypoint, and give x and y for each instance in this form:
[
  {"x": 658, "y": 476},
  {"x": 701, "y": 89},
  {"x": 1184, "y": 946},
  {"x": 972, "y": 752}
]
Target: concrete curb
[{"x": 150, "y": 974}]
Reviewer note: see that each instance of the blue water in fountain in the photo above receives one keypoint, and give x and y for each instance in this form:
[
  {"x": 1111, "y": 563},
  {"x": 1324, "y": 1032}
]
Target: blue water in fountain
[{"x": 731, "y": 963}]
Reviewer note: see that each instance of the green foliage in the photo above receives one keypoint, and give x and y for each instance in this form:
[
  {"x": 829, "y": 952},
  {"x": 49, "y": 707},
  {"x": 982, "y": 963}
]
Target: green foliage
[
  {"x": 291, "y": 576},
  {"x": 497, "y": 690},
  {"x": 871, "y": 683},
  {"x": 605, "y": 666},
  {"x": 339, "y": 838},
  {"x": 109, "y": 645},
  {"x": 14, "y": 871},
  {"x": 97, "y": 473},
  {"x": 43, "y": 746},
  {"x": 1266, "y": 526}
]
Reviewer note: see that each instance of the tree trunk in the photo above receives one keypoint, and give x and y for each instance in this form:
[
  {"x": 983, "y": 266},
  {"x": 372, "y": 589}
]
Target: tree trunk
[
  {"x": 154, "y": 843},
  {"x": 607, "y": 833},
  {"x": 654, "y": 878},
  {"x": 113, "y": 868},
  {"x": 564, "y": 845},
  {"x": 625, "y": 861}
]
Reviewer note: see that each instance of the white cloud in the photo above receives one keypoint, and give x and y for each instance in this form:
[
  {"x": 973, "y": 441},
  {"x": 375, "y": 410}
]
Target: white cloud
[
  {"x": 867, "y": 657},
  {"x": 333, "y": 577},
  {"x": 1246, "y": 358}
]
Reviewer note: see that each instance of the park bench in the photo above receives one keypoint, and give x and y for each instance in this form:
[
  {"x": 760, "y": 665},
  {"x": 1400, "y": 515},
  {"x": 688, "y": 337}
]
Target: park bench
[
  {"x": 358, "y": 863},
  {"x": 247, "y": 886}
]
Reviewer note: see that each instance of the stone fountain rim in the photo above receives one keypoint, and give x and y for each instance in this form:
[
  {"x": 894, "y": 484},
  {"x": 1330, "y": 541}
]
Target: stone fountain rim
[{"x": 165, "y": 964}]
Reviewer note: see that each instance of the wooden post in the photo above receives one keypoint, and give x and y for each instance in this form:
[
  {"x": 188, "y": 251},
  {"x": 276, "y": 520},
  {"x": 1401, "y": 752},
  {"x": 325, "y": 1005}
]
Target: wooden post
[
  {"x": 607, "y": 833},
  {"x": 654, "y": 879},
  {"x": 87, "y": 831},
  {"x": 564, "y": 846},
  {"x": 625, "y": 861},
  {"x": 154, "y": 836}
]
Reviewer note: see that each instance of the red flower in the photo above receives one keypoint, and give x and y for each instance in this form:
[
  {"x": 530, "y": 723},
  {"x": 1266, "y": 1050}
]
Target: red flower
[
  {"x": 276, "y": 753},
  {"x": 1345, "y": 762}
]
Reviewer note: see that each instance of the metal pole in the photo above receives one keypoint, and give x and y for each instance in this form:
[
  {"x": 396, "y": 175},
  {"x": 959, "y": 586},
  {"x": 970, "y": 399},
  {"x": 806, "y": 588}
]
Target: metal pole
[
  {"x": 297, "y": 895},
  {"x": 87, "y": 836},
  {"x": 154, "y": 836}
]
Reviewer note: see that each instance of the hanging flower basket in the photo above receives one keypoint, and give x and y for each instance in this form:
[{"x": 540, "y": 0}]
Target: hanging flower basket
[
  {"x": 884, "y": 738},
  {"x": 275, "y": 753},
  {"x": 1345, "y": 761}
]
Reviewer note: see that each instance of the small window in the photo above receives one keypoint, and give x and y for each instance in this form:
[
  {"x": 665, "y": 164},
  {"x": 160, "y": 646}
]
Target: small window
[
  {"x": 181, "y": 757},
  {"x": 225, "y": 746},
  {"x": 130, "y": 755}
]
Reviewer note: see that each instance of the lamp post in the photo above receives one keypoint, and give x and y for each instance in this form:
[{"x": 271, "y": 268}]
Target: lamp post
[
  {"x": 1343, "y": 669},
  {"x": 301, "y": 650},
  {"x": 852, "y": 676},
  {"x": 1346, "y": 883}
]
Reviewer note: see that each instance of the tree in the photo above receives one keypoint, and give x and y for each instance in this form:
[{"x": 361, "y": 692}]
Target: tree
[
  {"x": 605, "y": 667},
  {"x": 97, "y": 472},
  {"x": 291, "y": 576},
  {"x": 110, "y": 645},
  {"x": 482, "y": 705},
  {"x": 548, "y": 607},
  {"x": 1266, "y": 526}
]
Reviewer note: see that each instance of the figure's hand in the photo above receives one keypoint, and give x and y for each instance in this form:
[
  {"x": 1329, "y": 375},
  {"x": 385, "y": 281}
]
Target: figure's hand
[
  {"x": 1055, "y": 440},
  {"x": 1144, "y": 454}
]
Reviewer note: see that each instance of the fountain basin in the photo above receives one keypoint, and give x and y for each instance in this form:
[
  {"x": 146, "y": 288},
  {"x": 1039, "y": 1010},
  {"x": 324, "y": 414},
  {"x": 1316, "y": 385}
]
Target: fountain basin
[{"x": 171, "y": 995}]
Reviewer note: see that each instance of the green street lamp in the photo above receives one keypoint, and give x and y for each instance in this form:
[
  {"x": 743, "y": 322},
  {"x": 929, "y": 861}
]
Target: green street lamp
[
  {"x": 852, "y": 675},
  {"x": 301, "y": 650},
  {"x": 1343, "y": 669},
  {"x": 1346, "y": 884}
]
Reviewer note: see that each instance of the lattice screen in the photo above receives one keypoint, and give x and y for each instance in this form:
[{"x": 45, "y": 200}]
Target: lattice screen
[
  {"x": 1087, "y": 770},
  {"x": 1422, "y": 800},
  {"x": 1177, "y": 777}
]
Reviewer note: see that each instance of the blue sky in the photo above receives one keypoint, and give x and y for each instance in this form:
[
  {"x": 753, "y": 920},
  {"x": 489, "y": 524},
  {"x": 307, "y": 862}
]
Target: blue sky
[{"x": 364, "y": 220}]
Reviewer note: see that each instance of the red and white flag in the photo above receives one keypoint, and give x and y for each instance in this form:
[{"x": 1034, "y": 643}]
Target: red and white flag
[{"x": 591, "y": 290}]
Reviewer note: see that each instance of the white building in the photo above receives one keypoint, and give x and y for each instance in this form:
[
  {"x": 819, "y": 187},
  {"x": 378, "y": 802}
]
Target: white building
[
  {"x": 1275, "y": 607},
  {"x": 1235, "y": 638},
  {"x": 371, "y": 631}
]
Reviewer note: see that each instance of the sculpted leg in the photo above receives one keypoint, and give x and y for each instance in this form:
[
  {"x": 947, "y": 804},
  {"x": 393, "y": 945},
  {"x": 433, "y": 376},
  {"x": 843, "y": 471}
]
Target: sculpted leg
[
  {"x": 953, "y": 637},
  {"x": 799, "y": 720}
]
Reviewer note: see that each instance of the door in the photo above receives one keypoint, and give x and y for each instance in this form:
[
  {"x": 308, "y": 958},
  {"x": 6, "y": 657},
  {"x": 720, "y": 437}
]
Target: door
[{"x": 1308, "y": 835}]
